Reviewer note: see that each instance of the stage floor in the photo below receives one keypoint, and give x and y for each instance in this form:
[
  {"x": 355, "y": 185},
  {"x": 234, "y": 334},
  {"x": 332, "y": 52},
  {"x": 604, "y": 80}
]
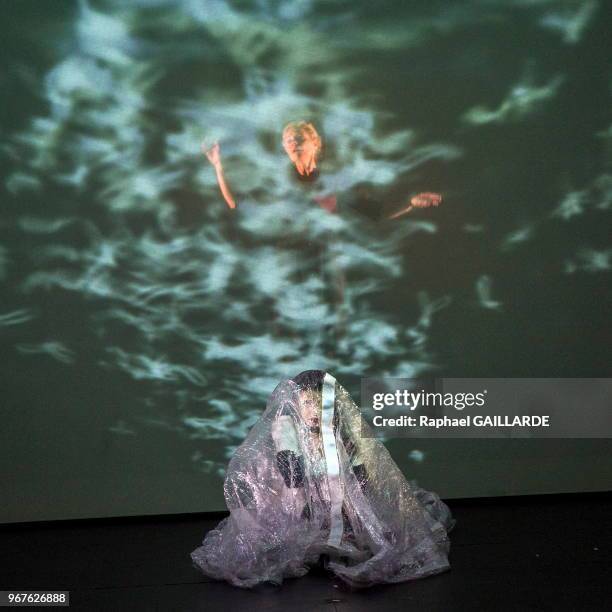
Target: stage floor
[{"x": 526, "y": 553}]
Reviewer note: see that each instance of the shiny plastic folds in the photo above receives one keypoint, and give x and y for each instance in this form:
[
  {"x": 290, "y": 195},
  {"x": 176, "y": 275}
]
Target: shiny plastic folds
[{"x": 306, "y": 486}]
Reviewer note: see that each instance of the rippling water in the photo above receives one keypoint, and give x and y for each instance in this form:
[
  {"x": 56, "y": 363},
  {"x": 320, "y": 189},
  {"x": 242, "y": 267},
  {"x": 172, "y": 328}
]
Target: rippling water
[{"x": 126, "y": 278}]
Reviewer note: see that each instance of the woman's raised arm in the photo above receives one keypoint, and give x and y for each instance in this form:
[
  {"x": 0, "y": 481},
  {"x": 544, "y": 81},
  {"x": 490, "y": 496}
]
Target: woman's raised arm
[{"x": 214, "y": 157}]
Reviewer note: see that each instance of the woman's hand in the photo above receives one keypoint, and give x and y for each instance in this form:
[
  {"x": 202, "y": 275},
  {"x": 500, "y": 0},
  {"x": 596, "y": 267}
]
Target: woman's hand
[
  {"x": 213, "y": 154},
  {"x": 422, "y": 200},
  {"x": 426, "y": 199}
]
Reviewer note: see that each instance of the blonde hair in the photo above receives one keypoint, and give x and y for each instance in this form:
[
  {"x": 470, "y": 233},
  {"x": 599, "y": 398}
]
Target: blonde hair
[{"x": 306, "y": 130}]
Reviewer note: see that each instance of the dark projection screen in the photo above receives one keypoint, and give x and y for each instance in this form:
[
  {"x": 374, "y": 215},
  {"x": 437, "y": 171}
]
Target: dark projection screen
[{"x": 144, "y": 323}]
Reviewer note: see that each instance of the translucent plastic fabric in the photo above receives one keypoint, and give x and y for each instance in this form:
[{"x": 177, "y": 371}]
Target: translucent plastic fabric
[{"x": 306, "y": 486}]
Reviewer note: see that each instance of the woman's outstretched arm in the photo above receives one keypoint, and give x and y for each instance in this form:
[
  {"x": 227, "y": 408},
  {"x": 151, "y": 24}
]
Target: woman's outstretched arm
[{"x": 214, "y": 157}]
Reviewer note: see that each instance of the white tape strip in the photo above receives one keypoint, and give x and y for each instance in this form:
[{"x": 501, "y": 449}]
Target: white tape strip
[{"x": 330, "y": 449}]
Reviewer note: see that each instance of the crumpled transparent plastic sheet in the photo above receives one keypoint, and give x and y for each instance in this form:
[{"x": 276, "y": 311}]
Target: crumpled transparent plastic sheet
[{"x": 306, "y": 486}]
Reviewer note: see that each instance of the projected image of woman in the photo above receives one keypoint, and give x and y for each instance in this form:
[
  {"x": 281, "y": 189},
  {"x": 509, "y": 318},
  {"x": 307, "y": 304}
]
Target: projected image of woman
[
  {"x": 303, "y": 146},
  {"x": 308, "y": 487}
]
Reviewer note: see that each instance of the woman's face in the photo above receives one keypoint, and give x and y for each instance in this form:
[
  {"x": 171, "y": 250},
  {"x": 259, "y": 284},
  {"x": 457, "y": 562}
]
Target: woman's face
[{"x": 302, "y": 148}]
